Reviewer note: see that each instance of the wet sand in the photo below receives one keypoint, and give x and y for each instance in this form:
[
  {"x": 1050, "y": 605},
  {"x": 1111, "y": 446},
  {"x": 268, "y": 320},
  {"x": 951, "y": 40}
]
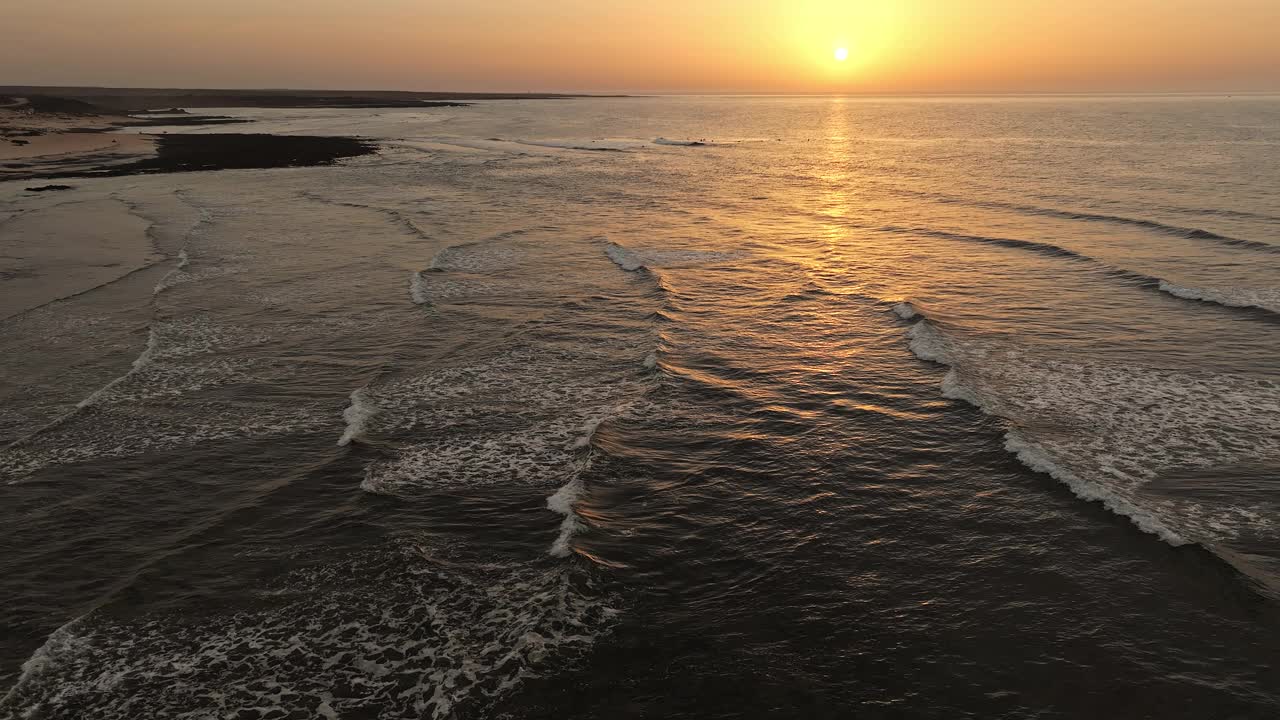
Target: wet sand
[{"x": 54, "y": 253}]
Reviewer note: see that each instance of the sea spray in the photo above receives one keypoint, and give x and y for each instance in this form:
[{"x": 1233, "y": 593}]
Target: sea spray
[
  {"x": 358, "y": 414},
  {"x": 563, "y": 502}
]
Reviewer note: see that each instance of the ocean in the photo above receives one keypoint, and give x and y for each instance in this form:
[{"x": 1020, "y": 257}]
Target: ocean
[{"x": 670, "y": 407}]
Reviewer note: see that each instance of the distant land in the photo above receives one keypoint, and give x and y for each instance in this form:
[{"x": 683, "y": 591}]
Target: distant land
[{"x": 139, "y": 99}]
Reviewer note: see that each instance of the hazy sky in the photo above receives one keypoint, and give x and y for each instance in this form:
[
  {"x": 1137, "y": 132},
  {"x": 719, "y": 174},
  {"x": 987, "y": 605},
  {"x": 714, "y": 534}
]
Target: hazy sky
[{"x": 647, "y": 45}]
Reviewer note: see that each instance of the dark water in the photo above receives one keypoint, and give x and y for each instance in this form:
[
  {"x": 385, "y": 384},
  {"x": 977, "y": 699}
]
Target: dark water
[{"x": 854, "y": 408}]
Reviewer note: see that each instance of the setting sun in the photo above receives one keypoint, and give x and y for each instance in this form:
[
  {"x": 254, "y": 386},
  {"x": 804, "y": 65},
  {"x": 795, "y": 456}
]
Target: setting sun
[{"x": 842, "y": 54}]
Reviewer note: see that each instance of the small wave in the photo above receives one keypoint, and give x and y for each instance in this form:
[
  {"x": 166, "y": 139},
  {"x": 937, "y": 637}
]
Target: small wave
[
  {"x": 1147, "y": 224},
  {"x": 61, "y": 645},
  {"x": 1264, "y": 299},
  {"x": 357, "y": 414},
  {"x": 1261, "y": 299},
  {"x": 1154, "y": 225},
  {"x": 143, "y": 359},
  {"x": 562, "y": 502},
  {"x": 179, "y": 276},
  {"x": 623, "y": 258},
  {"x": 173, "y": 276},
  {"x": 397, "y": 216},
  {"x": 927, "y": 343},
  {"x": 634, "y": 260},
  {"x": 906, "y": 311},
  {"x": 1039, "y": 247},
  {"x": 564, "y": 499}
]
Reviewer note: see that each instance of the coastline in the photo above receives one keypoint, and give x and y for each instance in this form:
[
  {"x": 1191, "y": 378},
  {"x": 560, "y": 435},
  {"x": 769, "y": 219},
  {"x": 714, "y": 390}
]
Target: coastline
[
  {"x": 133, "y": 100},
  {"x": 46, "y": 138},
  {"x": 67, "y": 132}
]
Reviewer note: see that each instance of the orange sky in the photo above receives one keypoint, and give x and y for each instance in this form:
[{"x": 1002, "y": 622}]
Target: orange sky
[{"x": 648, "y": 45}]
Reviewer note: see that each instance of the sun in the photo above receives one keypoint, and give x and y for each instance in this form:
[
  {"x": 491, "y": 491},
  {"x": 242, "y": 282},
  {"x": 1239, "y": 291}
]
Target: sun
[{"x": 842, "y": 54}]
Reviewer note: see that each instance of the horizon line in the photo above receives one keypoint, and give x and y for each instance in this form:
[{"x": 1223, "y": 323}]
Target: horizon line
[{"x": 676, "y": 93}]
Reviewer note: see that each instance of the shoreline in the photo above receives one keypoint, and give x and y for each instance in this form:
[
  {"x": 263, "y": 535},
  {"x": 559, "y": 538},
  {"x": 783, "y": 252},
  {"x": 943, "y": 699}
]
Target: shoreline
[
  {"x": 46, "y": 138},
  {"x": 132, "y": 100},
  {"x": 191, "y": 153},
  {"x": 49, "y": 132}
]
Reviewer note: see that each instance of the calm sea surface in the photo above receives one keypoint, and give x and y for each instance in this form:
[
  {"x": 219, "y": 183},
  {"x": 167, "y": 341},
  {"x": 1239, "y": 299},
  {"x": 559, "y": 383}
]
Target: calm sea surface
[{"x": 656, "y": 408}]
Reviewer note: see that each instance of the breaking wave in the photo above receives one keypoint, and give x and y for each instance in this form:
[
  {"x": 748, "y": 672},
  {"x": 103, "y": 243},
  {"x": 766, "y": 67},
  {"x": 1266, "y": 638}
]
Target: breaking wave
[
  {"x": 1262, "y": 299},
  {"x": 358, "y": 414},
  {"x": 1107, "y": 431}
]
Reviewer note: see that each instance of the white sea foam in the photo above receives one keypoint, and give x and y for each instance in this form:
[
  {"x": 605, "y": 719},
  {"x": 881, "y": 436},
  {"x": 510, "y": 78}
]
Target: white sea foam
[
  {"x": 418, "y": 637},
  {"x": 1108, "y": 430},
  {"x": 523, "y": 418},
  {"x": 358, "y": 414},
  {"x": 178, "y": 277},
  {"x": 623, "y": 258},
  {"x": 563, "y": 502},
  {"x": 927, "y": 343},
  {"x": 1263, "y": 298},
  {"x": 564, "y": 499},
  {"x": 182, "y": 357},
  {"x": 110, "y": 434},
  {"x": 62, "y": 644}
]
